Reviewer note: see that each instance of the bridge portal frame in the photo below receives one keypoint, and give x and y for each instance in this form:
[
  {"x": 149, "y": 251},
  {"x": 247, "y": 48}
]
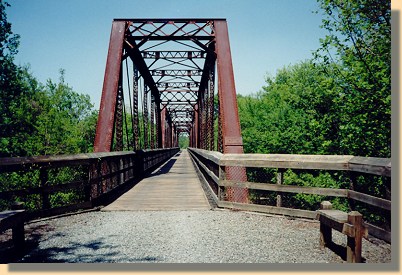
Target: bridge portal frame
[{"x": 210, "y": 40}]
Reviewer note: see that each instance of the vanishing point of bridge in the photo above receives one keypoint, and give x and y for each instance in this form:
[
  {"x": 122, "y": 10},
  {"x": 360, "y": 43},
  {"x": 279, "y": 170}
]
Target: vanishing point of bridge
[
  {"x": 167, "y": 79},
  {"x": 160, "y": 84},
  {"x": 174, "y": 186}
]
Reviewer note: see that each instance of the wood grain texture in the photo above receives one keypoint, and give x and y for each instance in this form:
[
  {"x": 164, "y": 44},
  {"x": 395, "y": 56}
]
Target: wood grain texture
[{"x": 173, "y": 186}]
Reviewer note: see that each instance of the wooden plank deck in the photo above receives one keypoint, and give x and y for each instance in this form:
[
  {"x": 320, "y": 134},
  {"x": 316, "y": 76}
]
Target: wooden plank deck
[{"x": 173, "y": 186}]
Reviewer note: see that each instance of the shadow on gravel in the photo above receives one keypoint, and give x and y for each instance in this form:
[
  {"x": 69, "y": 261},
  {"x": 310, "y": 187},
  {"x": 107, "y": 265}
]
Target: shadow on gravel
[
  {"x": 72, "y": 253},
  {"x": 98, "y": 251},
  {"x": 8, "y": 254},
  {"x": 94, "y": 251},
  {"x": 340, "y": 250}
]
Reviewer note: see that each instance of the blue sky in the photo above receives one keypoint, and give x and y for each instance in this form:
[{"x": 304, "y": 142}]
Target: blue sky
[{"x": 265, "y": 35}]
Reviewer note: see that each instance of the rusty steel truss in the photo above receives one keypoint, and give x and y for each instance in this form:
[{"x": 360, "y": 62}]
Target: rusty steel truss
[{"x": 160, "y": 83}]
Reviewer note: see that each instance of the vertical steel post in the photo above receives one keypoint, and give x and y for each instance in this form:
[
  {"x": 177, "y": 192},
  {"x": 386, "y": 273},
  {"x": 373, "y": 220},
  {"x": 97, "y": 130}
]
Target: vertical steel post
[
  {"x": 196, "y": 127},
  {"x": 152, "y": 123},
  {"x": 135, "y": 106},
  {"x": 106, "y": 117},
  {"x": 231, "y": 133},
  {"x": 164, "y": 128},
  {"x": 210, "y": 127},
  {"x": 219, "y": 138},
  {"x": 118, "y": 120},
  {"x": 232, "y": 141},
  {"x": 145, "y": 118},
  {"x": 159, "y": 133}
]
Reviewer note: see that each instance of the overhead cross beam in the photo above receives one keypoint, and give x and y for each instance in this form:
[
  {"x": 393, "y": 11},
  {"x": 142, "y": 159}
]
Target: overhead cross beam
[{"x": 160, "y": 83}]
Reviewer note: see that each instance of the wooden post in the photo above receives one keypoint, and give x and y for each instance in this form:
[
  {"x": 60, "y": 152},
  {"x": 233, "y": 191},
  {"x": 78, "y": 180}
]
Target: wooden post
[
  {"x": 352, "y": 183},
  {"x": 122, "y": 174},
  {"x": 100, "y": 178},
  {"x": 325, "y": 230},
  {"x": 326, "y": 205},
  {"x": 88, "y": 184},
  {"x": 222, "y": 175},
  {"x": 43, "y": 176},
  {"x": 18, "y": 233},
  {"x": 354, "y": 244},
  {"x": 18, "y": 236},
  {"x": 279, "y": 180}
]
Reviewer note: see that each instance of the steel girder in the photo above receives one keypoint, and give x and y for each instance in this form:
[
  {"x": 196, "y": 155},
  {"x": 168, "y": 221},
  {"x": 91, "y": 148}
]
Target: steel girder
[
  {"x": 107, "y": 110},
  {"x": 175, "y": 75},
  {"x": 175, "y": 63}
]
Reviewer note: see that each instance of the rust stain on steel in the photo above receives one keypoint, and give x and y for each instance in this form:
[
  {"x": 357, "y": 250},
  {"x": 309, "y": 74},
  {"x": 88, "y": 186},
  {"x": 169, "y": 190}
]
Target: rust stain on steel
[
  {"x": 104, "y": 128},
  {"x": 163, "y": 128},
  {"x": 230, "y": 123},
  {"x": 227, "y": 90}
]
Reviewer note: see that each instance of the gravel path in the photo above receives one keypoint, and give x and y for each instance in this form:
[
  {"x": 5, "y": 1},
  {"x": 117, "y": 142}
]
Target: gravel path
[{"x": 219, "y": 236}]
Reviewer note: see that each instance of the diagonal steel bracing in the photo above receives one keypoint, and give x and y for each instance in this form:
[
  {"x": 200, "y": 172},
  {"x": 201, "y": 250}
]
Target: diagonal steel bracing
[{"x": 160, "y": 79}]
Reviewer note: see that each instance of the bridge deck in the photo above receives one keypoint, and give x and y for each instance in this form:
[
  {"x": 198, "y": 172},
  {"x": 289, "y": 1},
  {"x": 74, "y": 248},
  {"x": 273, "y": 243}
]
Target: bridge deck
[{"x": 174, "y": 186}]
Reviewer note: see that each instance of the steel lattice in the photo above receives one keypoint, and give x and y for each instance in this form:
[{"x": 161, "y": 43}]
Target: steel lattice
[{"x": 168, "y": 88}]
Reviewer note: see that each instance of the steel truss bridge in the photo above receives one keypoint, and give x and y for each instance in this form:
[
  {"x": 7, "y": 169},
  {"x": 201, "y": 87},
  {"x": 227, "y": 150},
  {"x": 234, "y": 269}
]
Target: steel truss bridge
[
  {"x": 172, "y": 78},
  {"x": 160, "y": 83}
]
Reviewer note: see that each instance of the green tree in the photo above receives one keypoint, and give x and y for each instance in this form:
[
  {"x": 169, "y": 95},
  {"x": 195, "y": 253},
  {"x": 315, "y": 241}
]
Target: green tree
[
  {"x": 19, "y": 120},
  {"x": 338, "y": 104},
  {"x": 59, "y": 123},
  {"x": 37, "y": 119},
  {"x": 359, "y": 42},
  {"x": 296, "y": 112},
  {"x": 183, "y": 141},
  {"x": 9, "y": 81}
]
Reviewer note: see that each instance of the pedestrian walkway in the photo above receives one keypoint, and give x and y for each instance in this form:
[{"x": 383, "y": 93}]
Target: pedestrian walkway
[{"x": 174, "y": 186}]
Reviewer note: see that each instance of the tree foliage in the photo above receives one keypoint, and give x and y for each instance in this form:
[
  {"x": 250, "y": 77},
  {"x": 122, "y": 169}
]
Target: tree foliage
[
  {"x": 183, "y": 141},
  {"x": 36, "y": 118},
  {"x": 46, "y": 119},
  {"x": 339, "y": 102},
  {"x": 39, "y": 119},
  {"x": 359, "y": 42}
]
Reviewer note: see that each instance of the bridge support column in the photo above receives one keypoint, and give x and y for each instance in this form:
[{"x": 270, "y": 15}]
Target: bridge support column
[
  {"x": 228, "y": 112},
  {"x": 107, "y": 110}
]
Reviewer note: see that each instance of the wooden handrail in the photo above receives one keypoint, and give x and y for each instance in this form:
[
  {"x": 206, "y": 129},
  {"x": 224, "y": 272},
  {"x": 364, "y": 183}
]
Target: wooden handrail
[
  {"x": 105, "y": 172},
  {"x": 12, "y": 164},
  {"x": 370, "y": 165},
  {"x": 20, "y": 163}
]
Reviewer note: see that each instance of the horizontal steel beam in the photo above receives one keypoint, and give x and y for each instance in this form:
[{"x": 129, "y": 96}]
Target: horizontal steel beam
[
  {"x": 177, "y": 102},
  {"x": 176, "y": 72},
  {"x": 166, "y": 20},
  {"x": 183, "y": 84},
  {"x": 169, "y": 37},
  {"x": 177, "y": 91},
  {"x": 173, "y": 54}
]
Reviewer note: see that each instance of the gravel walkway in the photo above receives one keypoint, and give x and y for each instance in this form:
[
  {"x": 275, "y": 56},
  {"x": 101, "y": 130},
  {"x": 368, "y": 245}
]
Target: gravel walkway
[{"x": 219, "y": 236}]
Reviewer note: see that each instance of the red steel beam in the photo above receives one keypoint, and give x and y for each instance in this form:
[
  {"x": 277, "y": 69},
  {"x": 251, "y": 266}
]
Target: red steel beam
[
  {"x": 163, "y": 127},
  {"x": 231, "y": 133},
  {"x": 232, "y": 141},
  {"x": 106, "y": 117}
]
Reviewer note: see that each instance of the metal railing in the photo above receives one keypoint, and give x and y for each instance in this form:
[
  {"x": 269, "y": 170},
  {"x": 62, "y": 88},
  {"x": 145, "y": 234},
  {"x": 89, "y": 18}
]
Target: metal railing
[
  {"x": 212, "y": 167},
  {"x": 52, "y": 185}
]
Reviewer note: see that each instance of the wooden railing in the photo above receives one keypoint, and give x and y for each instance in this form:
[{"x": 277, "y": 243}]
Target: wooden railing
[
  {"x": 212, "y": 167},
  {"x": 92, "y": 179}
]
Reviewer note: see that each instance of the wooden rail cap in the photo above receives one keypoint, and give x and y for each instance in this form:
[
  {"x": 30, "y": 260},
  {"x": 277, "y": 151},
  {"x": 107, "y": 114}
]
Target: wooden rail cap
[
  {"x": 14, "y": 219},
  {"x": 9, "y": 218}
]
